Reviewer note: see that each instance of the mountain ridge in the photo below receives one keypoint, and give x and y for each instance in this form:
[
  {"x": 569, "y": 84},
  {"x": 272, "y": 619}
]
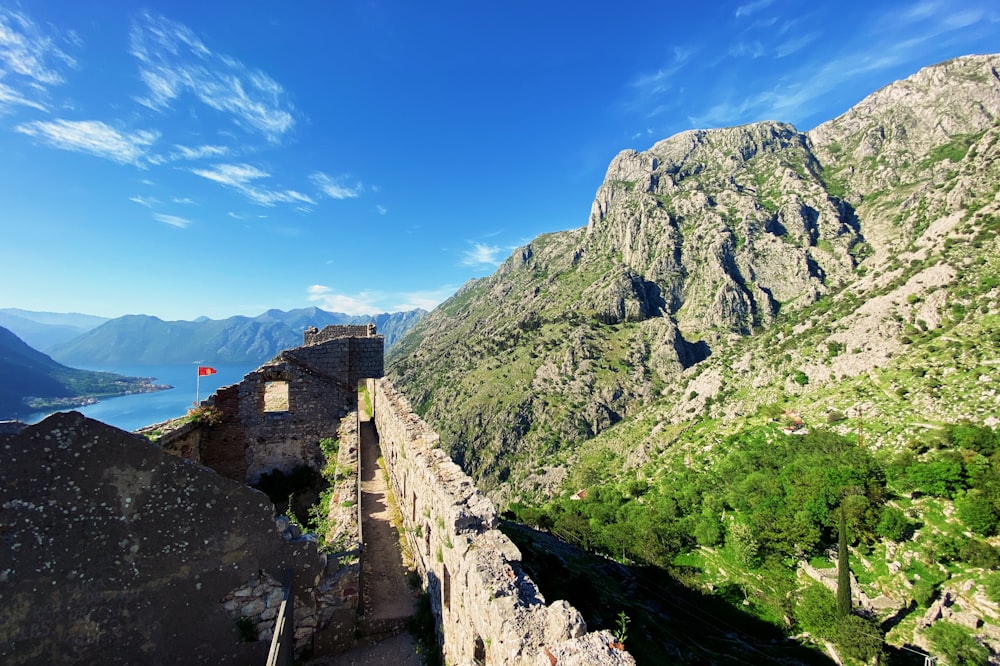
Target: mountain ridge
[
  {"x": 145, "y": 339},
  {"x": 759, "y": 330},
  {"x": 691, "y": 246},
  {"x": 35, "y": 380}
]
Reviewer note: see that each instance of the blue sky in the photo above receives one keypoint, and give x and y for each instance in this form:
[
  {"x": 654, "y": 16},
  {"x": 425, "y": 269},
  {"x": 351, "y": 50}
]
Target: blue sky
[{"x": 213, "y": 158}]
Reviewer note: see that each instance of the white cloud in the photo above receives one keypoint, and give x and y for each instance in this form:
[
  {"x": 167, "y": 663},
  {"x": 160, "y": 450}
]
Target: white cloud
[
  {"x": 26, "y": 52},
  {"x": 753, "y": 7},
  {"x": 482, "y": 254},
  {"x": 382, "y": 210},
  {"x": 174, "y": 61},
  {"x": 336, "y": 188},
  {"x": 198, "y": 153},
  {"x": 796, "y": 44},
  {"x": 172, "y": 220},
  {"x": 750, "y": 50},
  {"x": 363, "y": 303},
  {"x": 374, "y": 302},
  {"x": 148, "y": 202},
  {"x": 427, "y": 299},
  {"x": 11, "y": 97},
  {"x": 186, "y": 201},
  {"x": 242, "y": 178},
  {"x": 94, "y": 137},
  {"x": 659, "y": 81}
]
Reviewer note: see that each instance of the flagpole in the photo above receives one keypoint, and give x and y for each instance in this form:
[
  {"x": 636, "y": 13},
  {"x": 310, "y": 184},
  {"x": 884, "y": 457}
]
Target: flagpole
[{"x": 197, "y": 394}]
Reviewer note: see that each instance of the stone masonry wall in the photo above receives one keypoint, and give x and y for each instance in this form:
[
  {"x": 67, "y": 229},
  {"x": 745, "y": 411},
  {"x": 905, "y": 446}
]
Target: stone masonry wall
[
  {"x": 314, "y": 336},
  {"x": 259, "y": 433},
  {"x": 488, "y": 610}
]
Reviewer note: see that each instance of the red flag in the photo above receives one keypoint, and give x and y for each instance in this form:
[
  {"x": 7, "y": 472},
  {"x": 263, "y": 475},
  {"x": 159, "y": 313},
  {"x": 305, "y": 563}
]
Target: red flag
[{"x": 205, "y": 370}]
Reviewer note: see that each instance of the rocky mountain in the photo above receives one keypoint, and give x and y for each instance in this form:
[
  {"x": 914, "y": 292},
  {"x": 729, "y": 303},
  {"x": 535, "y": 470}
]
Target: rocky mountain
[
  {"x": 623, "y": 383},
  {"x": 709, "y": 241},
  {"x": 142, "y": 339},
  {"x": 33, "y": 381}
]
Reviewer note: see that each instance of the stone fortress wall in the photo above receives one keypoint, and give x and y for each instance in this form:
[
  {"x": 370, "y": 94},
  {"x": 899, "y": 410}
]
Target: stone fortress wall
[
  {"x": 488, "y": 609},
  {"x": 117, "y": 550},
  {"x": 275, "y": 417}
]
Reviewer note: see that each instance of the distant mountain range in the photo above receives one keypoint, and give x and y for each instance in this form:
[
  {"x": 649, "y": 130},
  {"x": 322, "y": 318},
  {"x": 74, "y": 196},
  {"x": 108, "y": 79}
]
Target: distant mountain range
[
  {"x": 42, "y": 330},
  {"x": 76, "y": 339},
  {"x": 32, "y": 381}
]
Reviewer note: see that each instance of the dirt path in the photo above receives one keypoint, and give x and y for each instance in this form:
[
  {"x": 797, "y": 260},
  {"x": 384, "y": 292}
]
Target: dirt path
[
  {"x": 387, "y": 595},
  {"x": 387, "y": 598}
]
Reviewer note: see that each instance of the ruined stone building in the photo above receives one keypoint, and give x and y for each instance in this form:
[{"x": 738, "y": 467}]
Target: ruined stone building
[{"x": 116, "y": 549}]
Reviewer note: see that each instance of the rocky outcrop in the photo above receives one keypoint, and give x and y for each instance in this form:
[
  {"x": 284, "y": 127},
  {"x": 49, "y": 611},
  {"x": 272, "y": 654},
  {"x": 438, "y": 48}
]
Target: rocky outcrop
[
  {"x": 115, "y": 552},
  {"x": 704, "y": 242}
]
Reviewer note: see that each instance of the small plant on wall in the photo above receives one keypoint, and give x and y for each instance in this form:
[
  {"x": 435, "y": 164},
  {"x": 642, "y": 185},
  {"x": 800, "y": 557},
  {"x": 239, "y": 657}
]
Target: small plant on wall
[
  {"x": 204, "y": 415},
  {"x": 621, "y": 631}
]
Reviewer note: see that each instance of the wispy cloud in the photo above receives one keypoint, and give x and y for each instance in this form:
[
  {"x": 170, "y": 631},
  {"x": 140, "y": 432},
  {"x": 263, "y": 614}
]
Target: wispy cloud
[
  {"x": 427, "y": 299},
  {"x": 174, "y": 61},
  {"x": 752, "y": 50},
  {"x": 374, "y": 302},
  {"x": 382, "y": 210},
  {"x": 753, "y": 7},
  {"x": 31, "y": 60},
  {"x": 172, "y": 220},
  {"x": 798, "y": 43},
  {"x": 94, "y": 137},
  {"x": 363, "y": 303},
  {"x": 11, "y": 97},
  {"x": 654, "y": 83},
  {"x": 336, "y": 188},
  {"x": 185, "y": 201},
  {"x": 148, "y": 202},
  {"x": 482, "y": 254},
  {"x": 198, "y": 153},
  {"x": 243, "y": 179}
]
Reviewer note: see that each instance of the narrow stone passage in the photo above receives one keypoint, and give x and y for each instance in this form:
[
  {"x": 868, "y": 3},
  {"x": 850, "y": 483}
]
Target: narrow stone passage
[
  {"x": 386, "y": 595},
  {"x": 387, "y": 598}
]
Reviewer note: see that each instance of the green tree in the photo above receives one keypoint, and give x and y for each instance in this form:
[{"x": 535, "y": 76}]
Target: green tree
[
  {"x": 978, "y": 512},
  {"x": 893, "y": 524},
  {"x": 859, "y": 639},
  {"x": 843, "y": 568},
  {"x": 742, "y": 544},
  {"x": 816, "y": 611}
]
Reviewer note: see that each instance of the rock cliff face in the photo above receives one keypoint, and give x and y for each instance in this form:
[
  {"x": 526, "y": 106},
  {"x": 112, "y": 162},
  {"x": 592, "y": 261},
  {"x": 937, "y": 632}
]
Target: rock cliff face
[{"x": 702, "y": 255}]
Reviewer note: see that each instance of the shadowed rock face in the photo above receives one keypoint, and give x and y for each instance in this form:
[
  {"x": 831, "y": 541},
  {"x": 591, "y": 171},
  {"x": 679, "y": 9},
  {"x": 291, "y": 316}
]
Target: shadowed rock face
[{"x": 114, "y": 552}]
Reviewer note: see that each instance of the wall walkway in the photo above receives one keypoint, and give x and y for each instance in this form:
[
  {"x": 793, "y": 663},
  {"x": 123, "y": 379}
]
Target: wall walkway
[{"x": 489, "y": 610}]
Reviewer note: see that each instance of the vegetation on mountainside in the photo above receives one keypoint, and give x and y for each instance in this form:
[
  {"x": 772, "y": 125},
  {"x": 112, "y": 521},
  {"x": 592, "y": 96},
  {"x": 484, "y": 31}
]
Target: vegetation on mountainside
[
  {"x": 630, "y": 387},
  {"x": 37, "y": 383}
]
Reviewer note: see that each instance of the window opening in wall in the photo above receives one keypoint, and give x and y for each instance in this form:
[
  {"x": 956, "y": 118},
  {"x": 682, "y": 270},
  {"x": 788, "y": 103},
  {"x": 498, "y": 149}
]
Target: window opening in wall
[
  {"x": 414, "y": 518},
  {"x": 427, "y": 539},
  {"x": 276, "y": 396},
  {"x": 446, "y": 588},
  {"x": 479, "y": 651}
]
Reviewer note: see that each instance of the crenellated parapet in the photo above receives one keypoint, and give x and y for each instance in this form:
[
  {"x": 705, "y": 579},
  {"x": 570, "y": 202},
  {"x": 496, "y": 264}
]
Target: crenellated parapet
[{"x": 488, "y": 609}]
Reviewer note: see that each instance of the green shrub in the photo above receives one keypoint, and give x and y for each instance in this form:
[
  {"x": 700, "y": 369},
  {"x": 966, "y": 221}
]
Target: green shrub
[
  {"x": 979, "y": 554},
  {"x": 924, "y": 592},
  {"x": 954, "y": 643},
  {"x": 978, "y": 512},
  {"x": 893, "y": 525}
]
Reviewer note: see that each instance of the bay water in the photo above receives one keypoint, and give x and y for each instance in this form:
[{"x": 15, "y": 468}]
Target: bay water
[{"x": 130, "y": 412}]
